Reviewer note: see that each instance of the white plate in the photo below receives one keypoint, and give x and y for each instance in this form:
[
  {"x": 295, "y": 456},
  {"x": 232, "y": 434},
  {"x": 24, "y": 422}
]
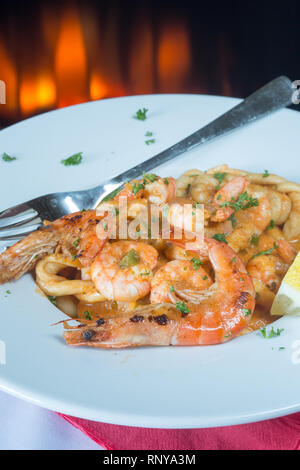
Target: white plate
[{"x": 245, "y": 380}]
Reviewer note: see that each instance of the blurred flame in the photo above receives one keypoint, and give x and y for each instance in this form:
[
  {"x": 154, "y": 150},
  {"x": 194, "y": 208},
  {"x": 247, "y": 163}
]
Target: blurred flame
[
  {"x": 70, "y": 61},
  {"x": 37, "y": 93},
  {"x": 174, "y": 57},
  {"x": 98, "y": 89},
  {"x": 9, "y": 76},
  {"x": 82, "y": 59},
  {"x": 142, "y": 59}
]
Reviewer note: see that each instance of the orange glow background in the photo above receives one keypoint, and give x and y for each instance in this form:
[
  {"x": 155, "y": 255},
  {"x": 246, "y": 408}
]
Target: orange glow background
[{"x": 78, "y": 59}]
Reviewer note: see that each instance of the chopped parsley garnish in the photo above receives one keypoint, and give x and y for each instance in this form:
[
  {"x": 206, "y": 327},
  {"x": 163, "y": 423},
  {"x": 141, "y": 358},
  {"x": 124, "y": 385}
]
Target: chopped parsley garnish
[
  {"x": 234, "y": 259},
  {"x": 148, "y": 134},
  {"x": 254, "y": 240},
  {"x": 204, "y": 278},
  {"x": 136, "y": 187},
  {"x": 244, "y": 201},
  {"x": 149, "y": 178},
  {"x": 75, "y": 159},
  {"x": 271, "y": 225},
  {"x": 146, "y": 273},
  {"x": 247, "y": 312},
  {"x": 266, "y": 252},
  {"x": 228, "y": 335},
  {"x": 7, "y": 158},
  {"x": 52, "y": 299},
  {"x": 220, "y": 177},
  {"x": 166, "y": 181},
  {"x": 76, "y": 243},
  {"x": 182, "y": 307},
  {"x": 220, "y": 237},
  {"x": 196, "y": 263},
  {"x": 265, "y": 174},
  {"x": 105, "y": 227},
  {"x": 8, "y": 292},
  {"x": 272, "y": 334},
  {"x": 172, "y": 289},
  {"x": 130, "y": 259},
  {"x": 113, "y": 194},
  {"x": 87, "y": 315},
  {"x": 141, "y": 114},
  {"x": 149, "y": 141},
  {"x": 188, "y": 188},
  {"x": 233, "y": 220}
]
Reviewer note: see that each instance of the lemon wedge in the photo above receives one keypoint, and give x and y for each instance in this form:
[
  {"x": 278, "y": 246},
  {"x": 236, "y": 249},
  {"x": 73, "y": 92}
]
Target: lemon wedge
[{"x": 287, "y": 300}]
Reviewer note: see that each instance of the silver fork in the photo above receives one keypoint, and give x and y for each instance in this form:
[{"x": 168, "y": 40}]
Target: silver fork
[{"x": 19, "y": 221}]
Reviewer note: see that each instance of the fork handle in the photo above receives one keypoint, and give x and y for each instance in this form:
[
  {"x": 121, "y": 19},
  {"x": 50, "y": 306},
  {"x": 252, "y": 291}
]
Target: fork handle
[{"x": 273, "y": 96}]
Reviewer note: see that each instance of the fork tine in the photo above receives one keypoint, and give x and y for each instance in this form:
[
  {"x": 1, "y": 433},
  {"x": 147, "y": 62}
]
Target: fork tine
[
  {"x": 22, "y": 217},
  {"x": 21, "y": 223},
  {"x": 16, "y": 236},
  {"x": 15, "y": 210}
]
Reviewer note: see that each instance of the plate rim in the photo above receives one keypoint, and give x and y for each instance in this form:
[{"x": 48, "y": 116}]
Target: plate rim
[{"x": 63, "y": 407}]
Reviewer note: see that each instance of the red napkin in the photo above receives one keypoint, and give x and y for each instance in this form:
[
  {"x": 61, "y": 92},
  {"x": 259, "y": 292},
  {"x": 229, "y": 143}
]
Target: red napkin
[{"x": 276, "y": 434}]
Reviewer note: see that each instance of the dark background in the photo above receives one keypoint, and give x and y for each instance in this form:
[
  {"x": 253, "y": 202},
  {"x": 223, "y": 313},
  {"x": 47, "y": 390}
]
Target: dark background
[{"x": 135, "y": 47}]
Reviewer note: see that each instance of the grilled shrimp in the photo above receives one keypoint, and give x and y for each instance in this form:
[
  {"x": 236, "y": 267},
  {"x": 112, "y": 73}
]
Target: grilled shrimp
[
  {"x": 75, "y": 235},
  {"x": 123, "y": 270},
  {"x": 153, "y": 188},
  {"x": 252, "y": 221},
  {"x": 178, "y": 278},
  {"x": 229, "y": 192},
  {"x": 197, "y": 184},
  {"x": 216, "y": 316}
]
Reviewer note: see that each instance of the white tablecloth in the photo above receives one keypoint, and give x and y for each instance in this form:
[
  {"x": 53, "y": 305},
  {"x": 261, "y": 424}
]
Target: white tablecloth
[{"x": 27, "y": 427}]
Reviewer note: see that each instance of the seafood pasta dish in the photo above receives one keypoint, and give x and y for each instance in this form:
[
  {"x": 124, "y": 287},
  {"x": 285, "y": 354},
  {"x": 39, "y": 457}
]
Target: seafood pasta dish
[{"x": 192, "y": 261}]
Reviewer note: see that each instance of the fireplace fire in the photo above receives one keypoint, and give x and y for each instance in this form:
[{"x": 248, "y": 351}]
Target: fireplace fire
[
  {"x": 58, "y": 54},
  {"x": 80, "y": 60}
]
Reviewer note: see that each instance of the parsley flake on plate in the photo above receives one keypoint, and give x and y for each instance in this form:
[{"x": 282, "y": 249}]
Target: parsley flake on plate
[
  {"x": 272, "y": 333},
  {"x": 75, "y": 159},
  {"x": 7, "y": 158},
  {"x": 52, "y": 299},
  {"x": 141, "y": 114}
]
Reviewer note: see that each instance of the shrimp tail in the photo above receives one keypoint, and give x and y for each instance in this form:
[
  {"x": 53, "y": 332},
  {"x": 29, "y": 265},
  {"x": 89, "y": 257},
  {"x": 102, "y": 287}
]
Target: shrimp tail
[{"x": 23, "y": 256}]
